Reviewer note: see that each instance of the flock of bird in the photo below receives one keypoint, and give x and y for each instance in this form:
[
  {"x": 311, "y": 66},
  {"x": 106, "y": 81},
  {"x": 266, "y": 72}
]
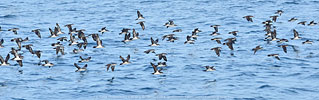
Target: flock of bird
[{"x": 76, "y": 35}]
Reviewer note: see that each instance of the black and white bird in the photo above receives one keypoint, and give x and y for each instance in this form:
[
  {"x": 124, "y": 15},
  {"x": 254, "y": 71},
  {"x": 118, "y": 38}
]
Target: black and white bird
[
  {"x": 112, "y": 65},
  {"x": 142, "y": 24},
  {"x": 162, "y": 56},
  {"x": 154, "y": 42},
  {"x": 79, "y": 69},
  {"x": 4, "y": 62},
  {"x": 217, "y": 50},
  {"x": 170, "y": 23},
  {"x": 47, "y": 63},
  {"x": 296, "y": 35},
  {"x": 209, "y": 68},
  {"x": 125, "y": 61},
  {"x": 249, "y": 18},
  {"x": 139, "y": 16},
  {"x": 84, "y": 59},
  {"x": 156, "y": 71},
  {"x": 37, "y": 32},
  {"x": 14, "y": 30},
  {"x": 103, "y": 30}
]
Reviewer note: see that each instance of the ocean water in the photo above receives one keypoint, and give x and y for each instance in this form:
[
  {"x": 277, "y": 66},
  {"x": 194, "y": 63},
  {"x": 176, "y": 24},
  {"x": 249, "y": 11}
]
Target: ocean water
[{"x": 238, "y": 76}]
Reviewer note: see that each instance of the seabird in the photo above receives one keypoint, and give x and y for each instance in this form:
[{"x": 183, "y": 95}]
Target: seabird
[
  {"x": 215, "y": 33},
  {"x": 217, "y": 50},
  {"x": 249, "y": 18},
  {"x": 112, "y": 65},
  {"x": 124, "y": 31},
  {"x": 292, "y": 19},
  {"x": 59, "y": 49},
  {"x": 296, "y": 35},
  {"x": 312, "y": 23},
  {"x": 56, "y": 44},
  {"x": 53, "y": 33},
  {"x": 59, "y": 29},
  {"x": 37, "y": 32},
  {"x": 72, "y": 40},
  {"x": 84, "y": 59},
  {"x": 194, "y": 33},
  {"x": 139, "y": 15},
  {"x": 274, "y": 18},
  {"x": 188, "y": 40},
  {"x": 307, "y": 42},
  {"x": 170, "y": 23},
  {"x": 81, "y": 33},
  {"x": 273, "y": 35},
  {"x": 14, "y": 30},
  {"x": 127, "y": 38},
  {"x": 233, "y": 32},
  {"x": 217, "y": 40},
  {"x": 70, "y": 28},
  {"x": 135, "y": 35},
  {"x": 284, "y": 47},
  {"x": 4, "y": 62},
  {"x": 161, "y": 64},
  {"x": 162, "y": 56},
  {"x": 47, "y": 63},
  {"x": 125, "y": 61},
  {"x": 150, "y": 50},
  {"x": 302, "y": 23},
  {"x": 209, "y": 68},
  {"x": 142, "y": 24},
  {"x": 177, "y": 30},
  {"x": 154, "y": 43},
  {"x": 232, "y": 40},
  {"x": 98, "y": 41},
  {"x": 103, "y": 30},
  {"x": 279, "y": 12},
  {"x": 215, "y": 27},
  {"x": 156, "y": 71},
  {"x": 16, "y": 55},
  {"x": 229, "y": 44},
  {"x": 29, "y": 48},
  {"x": 38, "y": 53},
  {"x": 257, "y": 48},
  {"x": 274, "y": 55},
  {"x": 19, "y": 40},
  {"x": 1, "y": 42},
  {"x": 196, "y": 30},
  {"x": 79, "y": 69}
]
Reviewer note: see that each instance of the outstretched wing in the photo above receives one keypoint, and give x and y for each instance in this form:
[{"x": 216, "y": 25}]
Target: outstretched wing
[
  {"x": 154, "y": 67},
  {"x": 128, "y": 57},
  {"x": 7, "y": 58},
  {"x": 122, "y": 59},
  {"x": 77, "y": 66}
]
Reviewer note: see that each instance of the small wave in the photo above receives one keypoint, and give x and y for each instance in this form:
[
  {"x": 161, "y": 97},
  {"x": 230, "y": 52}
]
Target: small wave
[{"x": 8, "y": 16}]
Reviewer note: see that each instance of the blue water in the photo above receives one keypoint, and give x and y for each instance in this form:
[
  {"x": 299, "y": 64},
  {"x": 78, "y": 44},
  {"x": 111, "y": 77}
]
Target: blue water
[{"x": 242, "y": 76}]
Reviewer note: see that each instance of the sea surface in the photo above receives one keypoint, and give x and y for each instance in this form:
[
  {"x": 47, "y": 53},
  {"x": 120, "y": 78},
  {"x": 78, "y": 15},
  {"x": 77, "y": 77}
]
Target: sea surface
[{"x": 239, "y": 73}]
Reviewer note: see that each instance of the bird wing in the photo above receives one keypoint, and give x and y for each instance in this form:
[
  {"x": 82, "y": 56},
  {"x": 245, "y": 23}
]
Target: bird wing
[
  {"x": 77, "y": 66},
  {"x": 122, "y": 59},
  {"x": 7, "y": 58},
  {"x": 128, "y": 57},
  {"x": 1, "y": 59}
]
